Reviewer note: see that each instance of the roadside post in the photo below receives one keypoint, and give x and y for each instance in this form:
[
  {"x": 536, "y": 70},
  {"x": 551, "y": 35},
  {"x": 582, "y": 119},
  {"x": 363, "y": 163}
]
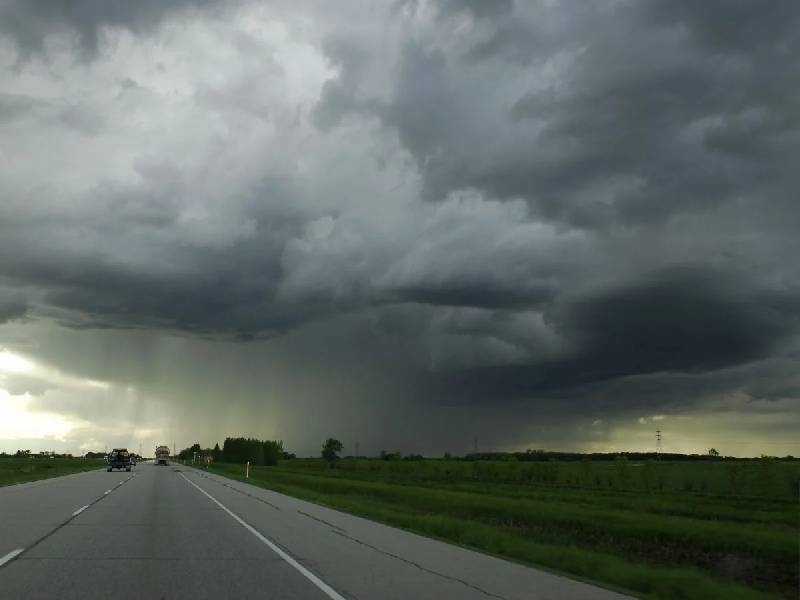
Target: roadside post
[{"x": 247, "y": 471}]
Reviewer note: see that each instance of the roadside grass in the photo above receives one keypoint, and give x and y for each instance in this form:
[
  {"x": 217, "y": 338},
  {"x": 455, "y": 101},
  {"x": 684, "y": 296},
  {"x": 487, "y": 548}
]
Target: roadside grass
[
  {"x": 759, "y": 478},
  {"x": 19, "y": 470},
  {"x": 652, "y": 548},
  {"x": 774, "y": 509},
  {"x": 719, "y": 508}
]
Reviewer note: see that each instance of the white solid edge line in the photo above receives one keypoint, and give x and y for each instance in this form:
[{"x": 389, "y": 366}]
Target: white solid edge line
[
  {"x": 80, "y": 510},
  {"x": 10, "y": 556},
  {"x": 331, "y": 593}
]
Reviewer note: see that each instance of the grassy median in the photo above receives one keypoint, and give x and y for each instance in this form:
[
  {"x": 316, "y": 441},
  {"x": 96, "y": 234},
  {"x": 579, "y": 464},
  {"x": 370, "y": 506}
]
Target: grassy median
[
  {"x": 655, "y": 544},
  {"x": 22, "y": 469}
]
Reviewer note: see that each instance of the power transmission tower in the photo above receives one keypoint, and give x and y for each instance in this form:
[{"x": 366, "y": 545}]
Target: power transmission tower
[{"x": 658, "y": 442}]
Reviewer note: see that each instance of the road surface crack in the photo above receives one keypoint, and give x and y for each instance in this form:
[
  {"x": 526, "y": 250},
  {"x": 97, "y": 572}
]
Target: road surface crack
[
  {"x": 418, "y": 566},
  {"x": 305, "y": 514}
]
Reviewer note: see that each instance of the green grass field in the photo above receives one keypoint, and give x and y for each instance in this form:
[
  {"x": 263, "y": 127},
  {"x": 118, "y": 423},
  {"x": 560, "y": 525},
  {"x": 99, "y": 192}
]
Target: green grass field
[
  {"x": 656, "y": 529},
  {"x": 18, "y": 470}
]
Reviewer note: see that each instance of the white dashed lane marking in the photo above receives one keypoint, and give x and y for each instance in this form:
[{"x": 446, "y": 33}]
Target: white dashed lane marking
[{"x": 10, "y": 556}]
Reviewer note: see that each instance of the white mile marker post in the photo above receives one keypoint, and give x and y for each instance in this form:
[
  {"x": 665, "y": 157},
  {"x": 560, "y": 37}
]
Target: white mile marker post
[{"x": 247, "y": 471}]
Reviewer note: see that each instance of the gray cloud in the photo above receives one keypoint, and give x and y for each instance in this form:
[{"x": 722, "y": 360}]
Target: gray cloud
[
  {"x": 486, "y": 10},
  {"x": 22, "y": 384},
  {"x": 13, "y": 304},
  {"x": 649, "y": 108},
  {"x": 29, "y": 23},
  {"x": 81, "y": 119},
  {"x": 17, "y": 106}
]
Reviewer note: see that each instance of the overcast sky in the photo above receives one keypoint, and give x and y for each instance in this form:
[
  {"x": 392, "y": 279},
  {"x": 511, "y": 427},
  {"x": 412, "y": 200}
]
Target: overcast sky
[{"x": 410, "y": 224}]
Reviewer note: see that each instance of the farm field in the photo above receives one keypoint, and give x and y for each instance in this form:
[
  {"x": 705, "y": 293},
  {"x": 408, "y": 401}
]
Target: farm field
[
  {"x": 19, "y": 470},
  {"x": 656, "y": 529}
]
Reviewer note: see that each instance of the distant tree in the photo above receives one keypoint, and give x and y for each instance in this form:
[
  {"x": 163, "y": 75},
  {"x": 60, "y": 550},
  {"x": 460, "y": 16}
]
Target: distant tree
[
  {"x": 190, "y": 452},
  {"x": 447, "y": 456},
  {"x": 233, "y": 450},
  {"x": 330, "y": 450},
  {"x": 216, "y": 453},
  {"x": 713, "y": 452},
  {"x": 272, "y": 452}
]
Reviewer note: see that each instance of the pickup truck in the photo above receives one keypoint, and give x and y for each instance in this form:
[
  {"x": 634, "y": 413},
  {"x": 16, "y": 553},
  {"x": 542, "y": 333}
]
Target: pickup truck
[{"x": 119, "y": 458}]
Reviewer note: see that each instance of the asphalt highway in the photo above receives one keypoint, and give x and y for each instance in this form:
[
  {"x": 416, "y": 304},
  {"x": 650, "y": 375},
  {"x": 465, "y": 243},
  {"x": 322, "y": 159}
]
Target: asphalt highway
[{"x": 176, "y": 532}]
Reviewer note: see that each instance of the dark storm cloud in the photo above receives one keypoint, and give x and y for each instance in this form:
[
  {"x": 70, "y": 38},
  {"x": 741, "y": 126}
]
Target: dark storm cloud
[
  {"x": 225, "y": 291},
  {"x": 684, "y": 320},
  {"x": 680, "y": 320},
  {"x": 609, "y": 194},
  {"x": 478, "y": 296},
  {"x": 29, "y": 22},
  {"x": 728, "y": 25}
]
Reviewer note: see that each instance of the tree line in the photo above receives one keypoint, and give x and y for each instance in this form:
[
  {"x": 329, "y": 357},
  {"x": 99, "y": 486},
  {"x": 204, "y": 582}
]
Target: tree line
[
  {"x": 239, "y": 450},
  {"x": 269, "y": 452}
]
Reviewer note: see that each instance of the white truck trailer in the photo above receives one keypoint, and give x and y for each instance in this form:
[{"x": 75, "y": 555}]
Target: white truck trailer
[{"x": 162, "y": 455}]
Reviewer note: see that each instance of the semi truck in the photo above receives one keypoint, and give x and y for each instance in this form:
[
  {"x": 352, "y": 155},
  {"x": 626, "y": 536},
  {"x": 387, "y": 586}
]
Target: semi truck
[{"x": 162, "y": 455}]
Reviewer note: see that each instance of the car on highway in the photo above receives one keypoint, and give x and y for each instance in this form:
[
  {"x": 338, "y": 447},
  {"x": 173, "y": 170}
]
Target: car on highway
[{"x": 118, "y": 458}]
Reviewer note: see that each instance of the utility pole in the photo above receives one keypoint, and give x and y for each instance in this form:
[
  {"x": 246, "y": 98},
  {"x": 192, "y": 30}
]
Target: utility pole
[{"x": 357, "y": 448}]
